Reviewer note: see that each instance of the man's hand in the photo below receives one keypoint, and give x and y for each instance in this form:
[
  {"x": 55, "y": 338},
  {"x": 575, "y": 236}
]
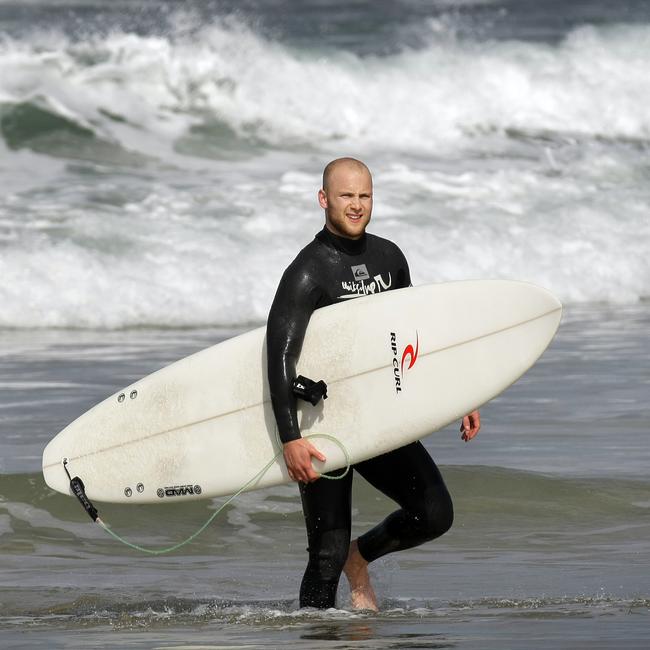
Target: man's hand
[
  {"x": 470, "y": 425},
  {"x": 297, "y": 455}
]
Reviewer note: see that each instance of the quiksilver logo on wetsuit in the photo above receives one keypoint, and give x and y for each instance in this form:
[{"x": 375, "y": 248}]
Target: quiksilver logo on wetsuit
[
  {"x": 409, "y": 355},
  {"x": 360, "y": 272},
  {"x": 362, "y": 287}
]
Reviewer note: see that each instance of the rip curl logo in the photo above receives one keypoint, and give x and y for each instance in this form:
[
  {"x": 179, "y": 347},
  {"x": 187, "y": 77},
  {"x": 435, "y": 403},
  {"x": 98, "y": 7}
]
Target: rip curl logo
[
  {"x": 409, "y": 355},
  {"x": 365, "y": 288}
]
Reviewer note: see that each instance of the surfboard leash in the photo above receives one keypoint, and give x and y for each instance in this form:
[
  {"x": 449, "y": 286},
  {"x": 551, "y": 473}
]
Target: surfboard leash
[{"x": 78, "y": 489}]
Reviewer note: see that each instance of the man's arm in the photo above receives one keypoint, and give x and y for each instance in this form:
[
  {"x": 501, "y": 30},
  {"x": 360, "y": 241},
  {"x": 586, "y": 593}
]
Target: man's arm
[{"x": 291, "y": 310}]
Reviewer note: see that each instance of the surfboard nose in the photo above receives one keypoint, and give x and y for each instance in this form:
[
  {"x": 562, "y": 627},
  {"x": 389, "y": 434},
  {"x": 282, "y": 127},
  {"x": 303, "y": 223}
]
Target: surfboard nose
[{"x": 53, "y": 471}]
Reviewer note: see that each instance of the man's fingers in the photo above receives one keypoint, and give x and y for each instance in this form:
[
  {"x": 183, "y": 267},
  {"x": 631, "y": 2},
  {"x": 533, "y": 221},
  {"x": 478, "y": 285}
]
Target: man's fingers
[
  {"x": 464, "y": 428},
  {"x": 316, "y": 453},
  {"x": 312, "y": 476},
  {"x": 470, "y": 425},
  {"x": 303, "y": 473},
  {"x": 307, "y": 472},
  {"x": 298, "y": 458}
]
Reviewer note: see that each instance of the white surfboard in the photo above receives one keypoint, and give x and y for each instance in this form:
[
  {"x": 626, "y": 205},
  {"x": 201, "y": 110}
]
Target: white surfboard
[{"x": 398, "y": 365}]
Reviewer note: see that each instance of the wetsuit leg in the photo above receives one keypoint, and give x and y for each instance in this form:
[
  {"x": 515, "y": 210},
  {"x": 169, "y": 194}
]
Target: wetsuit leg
[
  {"x": 409, "y": 476},
  {"x": 327, "y": 506}
]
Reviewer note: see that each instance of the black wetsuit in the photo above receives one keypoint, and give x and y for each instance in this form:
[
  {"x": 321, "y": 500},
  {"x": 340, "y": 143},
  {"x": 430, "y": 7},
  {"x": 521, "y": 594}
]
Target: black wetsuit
[{"x": 328, "y": 270}]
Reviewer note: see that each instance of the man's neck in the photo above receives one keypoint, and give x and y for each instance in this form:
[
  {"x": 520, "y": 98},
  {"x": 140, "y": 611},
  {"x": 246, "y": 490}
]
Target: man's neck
[{"x": 345, "y": 244}]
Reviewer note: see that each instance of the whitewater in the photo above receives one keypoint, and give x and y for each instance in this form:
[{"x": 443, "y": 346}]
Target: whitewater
[{"x": 167, "y": 179}]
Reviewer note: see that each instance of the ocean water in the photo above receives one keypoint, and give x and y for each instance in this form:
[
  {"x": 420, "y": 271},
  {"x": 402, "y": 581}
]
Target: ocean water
[
  {"x": 550, "y": 545},
  {"x": 159, "y": 163}
]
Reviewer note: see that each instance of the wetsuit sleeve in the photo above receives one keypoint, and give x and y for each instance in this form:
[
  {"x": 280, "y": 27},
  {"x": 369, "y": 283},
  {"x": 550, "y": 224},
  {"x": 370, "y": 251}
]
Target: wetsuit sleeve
[{"x": 294, "y": 302}]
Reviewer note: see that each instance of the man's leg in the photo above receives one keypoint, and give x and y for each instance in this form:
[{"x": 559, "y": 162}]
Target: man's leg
[
  {"x": 409, "y": 476},
  {"x": 327, "y": 507}
]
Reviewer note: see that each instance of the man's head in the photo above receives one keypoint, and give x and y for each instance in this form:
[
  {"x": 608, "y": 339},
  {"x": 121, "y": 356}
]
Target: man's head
[{"x": 346, "y": 197}]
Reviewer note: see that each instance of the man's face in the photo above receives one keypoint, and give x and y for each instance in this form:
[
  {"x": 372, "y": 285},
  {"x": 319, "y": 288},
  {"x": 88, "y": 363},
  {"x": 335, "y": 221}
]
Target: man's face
[{"x": 347, "y": 201}]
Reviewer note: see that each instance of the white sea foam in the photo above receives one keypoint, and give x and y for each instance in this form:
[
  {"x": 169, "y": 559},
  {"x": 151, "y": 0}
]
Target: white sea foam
[
  {"x": 172, "y": 260},
  {"x": 491, "y": 159},
  {"x": 595, "y": 82}
]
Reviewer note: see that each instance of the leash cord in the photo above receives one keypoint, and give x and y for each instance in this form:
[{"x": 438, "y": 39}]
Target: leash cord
[{"x": 230, "y": 499}]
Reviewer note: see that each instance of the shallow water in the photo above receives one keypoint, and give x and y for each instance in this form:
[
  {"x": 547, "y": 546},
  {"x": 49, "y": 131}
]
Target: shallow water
[{"x": 549, "y": 546}]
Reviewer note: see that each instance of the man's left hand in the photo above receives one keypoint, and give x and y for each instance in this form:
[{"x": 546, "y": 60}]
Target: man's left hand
[{"x": 470, "y": 425}]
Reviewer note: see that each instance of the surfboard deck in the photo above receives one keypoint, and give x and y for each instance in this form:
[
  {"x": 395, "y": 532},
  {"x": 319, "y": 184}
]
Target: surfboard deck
[{"x": 398, "y": 365}]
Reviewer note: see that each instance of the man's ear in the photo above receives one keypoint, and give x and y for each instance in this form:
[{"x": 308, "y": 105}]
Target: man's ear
[{"x": 322, "y": 199}]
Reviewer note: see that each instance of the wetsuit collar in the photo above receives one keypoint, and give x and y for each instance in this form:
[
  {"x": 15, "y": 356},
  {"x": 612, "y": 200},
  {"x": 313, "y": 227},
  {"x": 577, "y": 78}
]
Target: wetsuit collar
[{"x": 343, "y": 244}]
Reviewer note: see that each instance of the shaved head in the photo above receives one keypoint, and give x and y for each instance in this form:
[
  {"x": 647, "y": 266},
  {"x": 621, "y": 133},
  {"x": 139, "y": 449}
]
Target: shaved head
[
  {"x": 346, "y": 197},
  {"x": 339, "y": 165}
]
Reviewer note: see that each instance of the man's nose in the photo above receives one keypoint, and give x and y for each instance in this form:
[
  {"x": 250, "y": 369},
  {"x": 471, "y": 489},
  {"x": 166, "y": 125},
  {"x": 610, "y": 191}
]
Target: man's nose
[{"x": 356, "y": 203}]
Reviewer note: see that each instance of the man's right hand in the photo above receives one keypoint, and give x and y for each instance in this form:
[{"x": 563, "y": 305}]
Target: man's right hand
[{"x": 297, "y": 455}]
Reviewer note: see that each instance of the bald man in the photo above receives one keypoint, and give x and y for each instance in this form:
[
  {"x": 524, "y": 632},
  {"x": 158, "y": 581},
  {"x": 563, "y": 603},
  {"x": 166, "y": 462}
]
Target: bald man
[{"x": 344, "y": 262}]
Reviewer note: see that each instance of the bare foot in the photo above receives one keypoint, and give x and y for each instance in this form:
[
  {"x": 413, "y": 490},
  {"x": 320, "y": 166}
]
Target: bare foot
[{"x": 356, "y": 571}]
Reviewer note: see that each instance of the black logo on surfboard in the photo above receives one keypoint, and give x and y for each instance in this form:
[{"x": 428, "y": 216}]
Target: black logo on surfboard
[{"x": 178, "y": 491}]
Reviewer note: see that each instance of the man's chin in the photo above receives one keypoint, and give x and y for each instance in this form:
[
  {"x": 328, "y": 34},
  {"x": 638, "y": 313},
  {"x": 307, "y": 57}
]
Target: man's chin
[
  {"x": 349, "y": 230},
  {"x": 357, "y": 230}
]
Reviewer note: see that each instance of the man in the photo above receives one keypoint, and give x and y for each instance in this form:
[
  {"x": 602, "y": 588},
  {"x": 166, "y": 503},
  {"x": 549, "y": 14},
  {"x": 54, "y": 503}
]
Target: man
[{"x": 320, "y": 276}]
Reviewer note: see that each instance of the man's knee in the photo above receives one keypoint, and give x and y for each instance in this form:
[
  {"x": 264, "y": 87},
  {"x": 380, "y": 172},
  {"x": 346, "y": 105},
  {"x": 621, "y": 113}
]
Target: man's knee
[{"x": 437, "y": 516}]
